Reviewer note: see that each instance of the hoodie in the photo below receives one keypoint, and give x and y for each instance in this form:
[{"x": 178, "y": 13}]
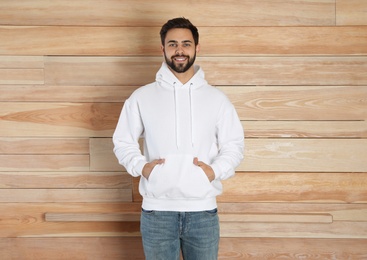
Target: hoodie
[{"x": 179, "y": 122}]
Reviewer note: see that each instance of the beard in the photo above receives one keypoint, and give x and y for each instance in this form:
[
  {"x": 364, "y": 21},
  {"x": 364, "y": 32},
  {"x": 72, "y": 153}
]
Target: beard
[{"x": 181, "y": 67}]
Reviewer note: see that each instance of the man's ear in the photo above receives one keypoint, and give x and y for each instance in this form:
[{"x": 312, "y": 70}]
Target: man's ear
[
  {"x": 162, "y": 49},
  {"x": 198, "y": 48}
]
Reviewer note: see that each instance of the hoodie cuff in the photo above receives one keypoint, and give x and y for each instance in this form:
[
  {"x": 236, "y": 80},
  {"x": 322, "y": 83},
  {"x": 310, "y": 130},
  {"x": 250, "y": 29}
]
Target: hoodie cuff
[
  {"x": 139, "y": 167},
  {"x": 217, "y": 170}
]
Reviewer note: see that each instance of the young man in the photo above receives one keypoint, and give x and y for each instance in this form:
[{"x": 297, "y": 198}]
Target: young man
[{"x": 193, "y": 139}]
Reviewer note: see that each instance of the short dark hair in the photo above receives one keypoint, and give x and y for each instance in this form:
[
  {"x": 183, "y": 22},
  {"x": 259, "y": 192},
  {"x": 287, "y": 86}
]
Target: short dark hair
[{"x": 179, "y": 22}]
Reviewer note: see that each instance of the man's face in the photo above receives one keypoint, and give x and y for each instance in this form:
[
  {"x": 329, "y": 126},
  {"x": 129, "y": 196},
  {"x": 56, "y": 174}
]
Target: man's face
[{"x": 179, "y": 50}]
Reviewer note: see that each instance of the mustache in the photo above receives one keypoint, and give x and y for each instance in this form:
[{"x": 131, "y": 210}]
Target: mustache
[{"x": 180, "y": 56}]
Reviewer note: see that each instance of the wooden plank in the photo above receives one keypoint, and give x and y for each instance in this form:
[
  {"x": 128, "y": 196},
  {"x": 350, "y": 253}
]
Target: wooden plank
[
  {"x": 291, "y": 248},
  {"x": 95, "y": 217},
  {"x": 141, "y": 13},
  {"x": 58, "y": 119},
  {"x": 349, "y": 212},
  {"x": 117, "y": 41},
  {"x": 27, "y": 219},
  {"x": 44, "y": 162},
  {"x": 118, "y": 217},
  {"x": 65, "y": 195},
  {"x": 65, "y": 180},
  {"x": 341, "y": 230},
  {"x": 19, "y": 212},
  {"x": 127, "y": 248},
  {"x": 21, "y": 76},
  {"x": 307, "y": 187},
  {"x": 305, "y": 155},
  {"x": 296, "y": 187},
  {"x": 226, "y": 71},
  {"x": 351, "y": 12},
  {"x": 281, "y": 155},
  {"x": 299, "y": 103},
  {"x": 123, "y": 248},
  {"x": 305, "y": 129},
  {"x": 21, "y": 62},
  {"x": 42, "y": 93},
  {"x": 44, "y": 146}
]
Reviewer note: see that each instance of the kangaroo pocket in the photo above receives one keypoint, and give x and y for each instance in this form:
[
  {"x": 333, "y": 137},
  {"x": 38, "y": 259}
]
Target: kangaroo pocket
[{"x": 178, "y": 178}]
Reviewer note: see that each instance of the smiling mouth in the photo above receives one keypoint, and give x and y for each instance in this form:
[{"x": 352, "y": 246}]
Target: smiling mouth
[{"x": 180, "y": 58}]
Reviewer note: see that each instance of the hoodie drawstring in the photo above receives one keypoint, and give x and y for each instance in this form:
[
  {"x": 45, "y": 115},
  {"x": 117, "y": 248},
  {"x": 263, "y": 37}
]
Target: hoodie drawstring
[
  {"x": 191, "y": 116},
  {"x": 177, "y": 128},
  {"x": 176, "y": 115}
]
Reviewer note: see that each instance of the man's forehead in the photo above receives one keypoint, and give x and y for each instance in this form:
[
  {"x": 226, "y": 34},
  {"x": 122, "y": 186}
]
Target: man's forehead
[{"x": 179, "y": 35}]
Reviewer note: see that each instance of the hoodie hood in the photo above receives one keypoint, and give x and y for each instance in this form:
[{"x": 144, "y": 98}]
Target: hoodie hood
[{"x": 168, "y": 80}]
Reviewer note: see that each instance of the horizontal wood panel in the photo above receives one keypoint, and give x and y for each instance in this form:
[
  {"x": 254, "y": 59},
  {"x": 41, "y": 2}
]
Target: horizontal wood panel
[
  {"x": 21, "y": 76},
  {"x": 305, "y": 155},
  {"x": 351, "y": 12},
  {"x": 58, "y": 119},
  {"x": 119, "y": 217},
  {"x": 44, "y": 146},
  {"x": 21, "y": 62},
  {"x": 141, "y": 13},
  {"x": 339, "y": 211},
  {"x": 291, "y": 248},
  {"x": 127, "y": 248},
  {"x": 116, "y": 41},
  {"x": 342, "y": 71},
  {"x": 44, "y": 162},
  {"x": 65, "y": 180},
  {"x": 42, "y": 93},
  {"x": 280, "y": 155},
  {"x": 65, "y": 195},
  {"x": 302, "y": 187},
  {"x": 19, "y": 212},
  {"x": 295, "y": 230},
  {"x": 299, "y": 103},
  {"x": 305, "y": 129},
  {"x": 123, "y": 248},
  {"x": 296, "y": 187}
]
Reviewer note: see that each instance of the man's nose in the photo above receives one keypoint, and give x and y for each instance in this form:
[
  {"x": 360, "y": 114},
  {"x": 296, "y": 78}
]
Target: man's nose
[{"x": 179, "y": 50}]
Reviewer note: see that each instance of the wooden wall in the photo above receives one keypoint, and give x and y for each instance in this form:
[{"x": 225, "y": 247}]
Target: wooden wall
[{"x": 295, "y": 70}]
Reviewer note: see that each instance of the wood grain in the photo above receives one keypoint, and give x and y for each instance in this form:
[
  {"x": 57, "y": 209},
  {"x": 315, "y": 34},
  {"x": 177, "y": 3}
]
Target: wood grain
[
  {"x": 126, "y": 248},
  {"x": 141, "y": 13},
  {"x": 116, "y": 41},
  {"x": 280, "y": 155},
  {"x": 287, "y": 71},
  {"x": 296, "y": 187},
  {"x": 351, "y": 12},
  {"x": 64, "y": 180},
  {"x": 65, "y": 195},
  {"x": 44, "y": 146},
  {"x": 58, "y": 119},
  {"x": 299, "y": 103}
]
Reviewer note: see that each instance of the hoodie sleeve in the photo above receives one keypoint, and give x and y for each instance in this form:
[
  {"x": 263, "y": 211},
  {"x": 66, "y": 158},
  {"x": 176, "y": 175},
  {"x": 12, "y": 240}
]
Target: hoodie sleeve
[
  {"x": 125, "y": 138},
  {"x": 230, "y": 136}
]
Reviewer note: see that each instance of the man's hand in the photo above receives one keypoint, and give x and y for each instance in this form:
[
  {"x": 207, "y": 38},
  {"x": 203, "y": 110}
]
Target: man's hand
[
  {"x": 148, "y": 167},
  {"x": 206, "y": 168}
]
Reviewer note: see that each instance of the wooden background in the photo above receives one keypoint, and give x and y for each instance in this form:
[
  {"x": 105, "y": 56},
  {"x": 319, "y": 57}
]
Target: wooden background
[{"x": 295, "y": 70}]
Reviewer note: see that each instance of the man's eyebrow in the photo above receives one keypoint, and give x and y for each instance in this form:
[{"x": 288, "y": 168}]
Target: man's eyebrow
[{"x": 174, "y": 41}]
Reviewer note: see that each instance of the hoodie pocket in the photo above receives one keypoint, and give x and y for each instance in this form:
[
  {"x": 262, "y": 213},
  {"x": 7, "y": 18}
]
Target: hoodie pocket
[{"x": 178, "y": 178}]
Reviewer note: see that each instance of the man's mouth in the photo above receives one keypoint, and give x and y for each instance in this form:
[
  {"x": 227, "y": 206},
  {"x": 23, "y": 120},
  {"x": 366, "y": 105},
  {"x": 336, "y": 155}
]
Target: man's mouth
[{"x": 180, "y": 58}]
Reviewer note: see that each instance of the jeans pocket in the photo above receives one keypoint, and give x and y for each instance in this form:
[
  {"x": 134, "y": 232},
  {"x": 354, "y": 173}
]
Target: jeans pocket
[
  {"x": 212, "y": 211},
  {"x": 146, "y": 211}
]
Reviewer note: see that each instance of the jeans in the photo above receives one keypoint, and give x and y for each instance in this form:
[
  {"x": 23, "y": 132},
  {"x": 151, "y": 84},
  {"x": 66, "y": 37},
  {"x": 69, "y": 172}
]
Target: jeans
[{"x": 165, "y": 234}]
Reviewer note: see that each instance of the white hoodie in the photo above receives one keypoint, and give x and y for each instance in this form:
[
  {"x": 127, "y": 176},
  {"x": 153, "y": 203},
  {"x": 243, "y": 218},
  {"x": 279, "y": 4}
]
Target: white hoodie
[{"x": 179, "y": 122}]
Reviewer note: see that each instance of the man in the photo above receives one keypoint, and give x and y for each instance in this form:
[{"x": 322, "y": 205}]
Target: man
[{"x": 193, "y": 139}]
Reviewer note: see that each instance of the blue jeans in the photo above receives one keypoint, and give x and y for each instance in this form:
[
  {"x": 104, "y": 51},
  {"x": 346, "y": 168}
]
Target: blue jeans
[{"x": 166, "y": 233}]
